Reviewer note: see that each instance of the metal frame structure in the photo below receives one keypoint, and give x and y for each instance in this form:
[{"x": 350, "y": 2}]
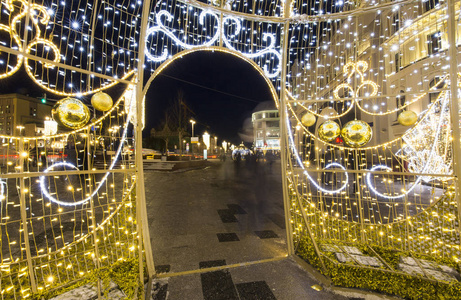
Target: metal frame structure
[{"x": 315, "y": 57}]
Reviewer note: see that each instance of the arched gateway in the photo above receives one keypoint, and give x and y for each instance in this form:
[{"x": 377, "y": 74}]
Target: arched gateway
[{"x": 371, "y": 192}]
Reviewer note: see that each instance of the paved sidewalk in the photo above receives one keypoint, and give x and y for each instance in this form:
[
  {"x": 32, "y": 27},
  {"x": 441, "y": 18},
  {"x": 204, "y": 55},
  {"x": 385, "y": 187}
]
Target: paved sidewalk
[
  {"x": 158, "y": 165},
  {"x": 282, "y": 280},
  {"x": 223, "y": 217}
]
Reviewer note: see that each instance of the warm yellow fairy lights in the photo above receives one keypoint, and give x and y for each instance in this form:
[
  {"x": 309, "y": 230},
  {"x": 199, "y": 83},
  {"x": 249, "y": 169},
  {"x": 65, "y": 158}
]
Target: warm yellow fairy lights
[
  {"x": 349, "y": 69},
  {"x": 357, "y": 103},
  {"x": 72, "y": 113},
  {"x": 41, "y": 16},
  {"x": 348, "y": 215},
  {"x": 80, "y": 130},
  {"x": 383, "y": 145}
]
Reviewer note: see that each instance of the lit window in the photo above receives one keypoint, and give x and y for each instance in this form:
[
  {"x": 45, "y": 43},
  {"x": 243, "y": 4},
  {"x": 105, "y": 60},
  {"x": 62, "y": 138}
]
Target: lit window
[{"x": 434, "y": 43}]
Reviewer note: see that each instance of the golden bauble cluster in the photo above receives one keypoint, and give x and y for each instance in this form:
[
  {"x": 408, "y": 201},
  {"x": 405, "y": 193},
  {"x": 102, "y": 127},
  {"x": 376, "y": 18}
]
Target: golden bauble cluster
[
  {"x": 328, "y": 131},
  {"x": 356, "y": 133},
  {"x": 308, "y": 119},
  {"x": 407, "y": 118},
  {"x": 71, "y": 113},
  {"x": 101, "y": 101}
]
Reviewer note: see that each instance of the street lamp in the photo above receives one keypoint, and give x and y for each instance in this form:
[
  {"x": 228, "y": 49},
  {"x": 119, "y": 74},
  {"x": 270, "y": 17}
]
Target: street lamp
[
  {"x": 206, "y": 139},
  {"x": 193, "y": 122}
]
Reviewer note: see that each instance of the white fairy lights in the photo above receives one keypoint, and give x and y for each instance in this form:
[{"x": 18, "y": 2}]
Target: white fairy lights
[
  {"x": 320, "y": 63},
  {"x": 69, "y": 165},
  {"x": 3, "y": 190},
  {"x": 328, "y": 166},
  {"x": 231, "y": 22}
]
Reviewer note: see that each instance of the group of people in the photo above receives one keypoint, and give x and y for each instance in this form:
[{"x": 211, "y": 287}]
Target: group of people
[{"x": 269, "y": 156}]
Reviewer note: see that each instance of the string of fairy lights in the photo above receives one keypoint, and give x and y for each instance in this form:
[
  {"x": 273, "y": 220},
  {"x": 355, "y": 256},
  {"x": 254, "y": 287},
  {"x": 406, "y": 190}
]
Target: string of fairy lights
[
  {"x": 77, "y": 221},
  {"x": 368, "y": 122},
  {"x": 366, "y": 89},
  {"x": 104, "y": 103},
  {"x": 255, "y": 41},
  {"x": 323, "y": 93}
]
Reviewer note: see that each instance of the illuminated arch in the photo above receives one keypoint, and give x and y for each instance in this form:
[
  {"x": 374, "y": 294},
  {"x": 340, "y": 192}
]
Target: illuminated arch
[{"x": 211, "y": 49}]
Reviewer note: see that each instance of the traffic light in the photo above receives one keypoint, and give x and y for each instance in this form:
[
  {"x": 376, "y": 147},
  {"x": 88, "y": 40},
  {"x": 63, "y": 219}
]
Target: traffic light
[{"x": 43, "y": 100}]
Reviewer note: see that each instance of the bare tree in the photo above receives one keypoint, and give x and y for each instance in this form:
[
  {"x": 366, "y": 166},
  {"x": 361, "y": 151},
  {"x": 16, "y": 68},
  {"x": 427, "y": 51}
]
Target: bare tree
[{"x": 176, "y": 120}]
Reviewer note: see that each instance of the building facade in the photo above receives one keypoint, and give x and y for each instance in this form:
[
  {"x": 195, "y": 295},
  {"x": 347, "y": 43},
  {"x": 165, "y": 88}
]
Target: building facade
[
  {"x": 266, "y": 130},
  {"x": 22, "y": 115}
]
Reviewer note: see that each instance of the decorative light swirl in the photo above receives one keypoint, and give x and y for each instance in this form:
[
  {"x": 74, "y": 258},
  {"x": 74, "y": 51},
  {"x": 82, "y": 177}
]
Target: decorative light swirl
[
  {"x": 426, "y": 165},
  {"x": 416, "y": 150},
  {"x": 49, "y": 196},
  {"x": 46, "y": 43},
  {"x": 337, "y": 116},
  {"x": 407, "y": 103},
  {"x": 360, "y": 67},
  {"x": 38, "y": 15},
  {"x": 299, "y": 160},
  {"x": 374, "y": 190},
  {"x": 41, "y": 17},
  {"x": 269, "y": 50},
  {"x": 160, "y": 27},
  {"x": 67, "y": 164},
  {"x": 349, "y": 69},
  {"x": 362, "y": 148}
]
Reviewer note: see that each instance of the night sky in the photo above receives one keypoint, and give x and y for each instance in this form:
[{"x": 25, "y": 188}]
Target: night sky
[{"x": 228, "y": 92}]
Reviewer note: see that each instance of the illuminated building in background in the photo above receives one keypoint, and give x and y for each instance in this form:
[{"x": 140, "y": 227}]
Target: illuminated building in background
[
  {"x": 266, "y": 130},
  {"x": 19, "y": 110}
]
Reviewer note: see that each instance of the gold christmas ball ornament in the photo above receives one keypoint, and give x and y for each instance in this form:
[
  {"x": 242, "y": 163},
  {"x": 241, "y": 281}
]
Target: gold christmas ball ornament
[
  {"x": 356, "y": 133},
  {"x": 101, "y": 101},
  {"x": 308, "y": 119},
  {"x": 328, "y": 131},
  {"x": 71, "y": 113},
  {"x": 407, "y": 118}
]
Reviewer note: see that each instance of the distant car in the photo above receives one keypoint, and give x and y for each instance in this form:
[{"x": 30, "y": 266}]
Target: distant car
[
  {"x": 146, "y": 151},
  {"x": 150, "y": 153}
]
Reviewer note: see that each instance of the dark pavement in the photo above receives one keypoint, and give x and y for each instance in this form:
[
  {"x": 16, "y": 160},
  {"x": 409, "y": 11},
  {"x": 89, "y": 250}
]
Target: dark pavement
[{"x": 228, "y": 214}]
